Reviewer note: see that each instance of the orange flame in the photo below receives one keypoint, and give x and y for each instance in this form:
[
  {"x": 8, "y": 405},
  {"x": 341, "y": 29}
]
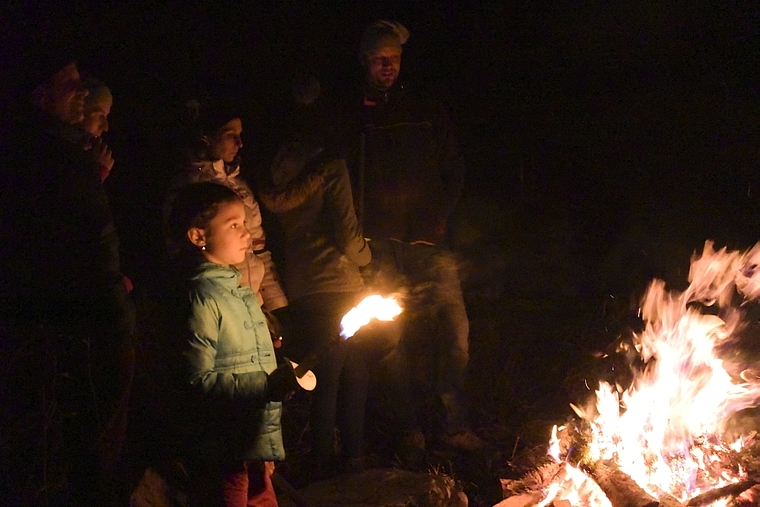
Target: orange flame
[
  {"x": 371, "y": 307},
  {"x": 573, "y": 487},
  {"x": 665, "y": 430}
]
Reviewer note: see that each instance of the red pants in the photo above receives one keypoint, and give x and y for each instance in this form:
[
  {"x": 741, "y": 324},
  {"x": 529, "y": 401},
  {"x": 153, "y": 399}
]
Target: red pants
[{"x": 242, "y": 484}]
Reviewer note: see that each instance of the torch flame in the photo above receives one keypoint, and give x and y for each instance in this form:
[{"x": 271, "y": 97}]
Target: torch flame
[{"x": 371, "y": 307}]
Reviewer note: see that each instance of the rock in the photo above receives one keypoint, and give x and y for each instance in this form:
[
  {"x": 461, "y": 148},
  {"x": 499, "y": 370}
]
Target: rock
[
  {"x": 383, "y": 487},
  {"x": 154, "y": 490}
]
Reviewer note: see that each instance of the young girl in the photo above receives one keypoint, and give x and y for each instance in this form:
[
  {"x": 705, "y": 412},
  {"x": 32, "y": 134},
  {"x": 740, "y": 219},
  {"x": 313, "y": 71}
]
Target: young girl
[{"x": 229, "y": 383}]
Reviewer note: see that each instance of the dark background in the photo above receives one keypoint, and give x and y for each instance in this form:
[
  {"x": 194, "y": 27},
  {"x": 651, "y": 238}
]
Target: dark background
[
  {"x": 605, "y": 142},
  {"x": 638, "y": 118}
]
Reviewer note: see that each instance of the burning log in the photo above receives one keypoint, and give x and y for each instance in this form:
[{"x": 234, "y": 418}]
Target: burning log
[
  {"x": 667, "y": 500},
  {"x": 621, "y": 490},
  {"x": 535, "y": 480},
  {"x": 557, "y": 484},
  {"x": 732, "y": 490}
]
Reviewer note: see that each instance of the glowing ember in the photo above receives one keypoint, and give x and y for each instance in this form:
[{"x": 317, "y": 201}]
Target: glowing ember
[
  {"x": 371, "y": 307},
  {"x": 575, "y": 488},
  {"x": 665, "y": 430}
]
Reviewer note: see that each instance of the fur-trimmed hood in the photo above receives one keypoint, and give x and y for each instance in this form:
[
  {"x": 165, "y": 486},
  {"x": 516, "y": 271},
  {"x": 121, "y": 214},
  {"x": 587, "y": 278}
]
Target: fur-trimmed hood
[
  {"x": 298, "y": 171},
  {"x": 296, "y": 193},
  {"x": 321, "y": 244}
]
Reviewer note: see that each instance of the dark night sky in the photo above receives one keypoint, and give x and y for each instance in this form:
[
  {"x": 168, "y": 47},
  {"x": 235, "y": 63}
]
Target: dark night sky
[{"x": 622, "y": 111}]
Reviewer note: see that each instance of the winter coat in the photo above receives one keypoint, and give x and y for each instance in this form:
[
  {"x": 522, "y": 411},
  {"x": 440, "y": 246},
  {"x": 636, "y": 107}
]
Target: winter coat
[
  {"x": 323, "y": 244},
  {"x": 405, "y": 164},
  {"x": 227, "y": 354},
  {"x": 58, "y": 242},
  {"x": 258, "y": 270}
]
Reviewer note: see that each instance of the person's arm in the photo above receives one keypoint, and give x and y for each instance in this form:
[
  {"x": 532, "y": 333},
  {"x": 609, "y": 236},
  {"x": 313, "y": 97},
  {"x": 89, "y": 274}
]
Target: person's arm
[
  {"x": 90, "y": 210},
  {"x": 270, "y": 288},
  {"x": 340, "y": 208},
  {"x": 452, "y": 168}
]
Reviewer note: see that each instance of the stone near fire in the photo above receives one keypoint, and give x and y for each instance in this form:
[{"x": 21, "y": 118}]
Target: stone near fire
[
  {"x": 383, "y": 487},
  {"x": 153, "y": 490}
]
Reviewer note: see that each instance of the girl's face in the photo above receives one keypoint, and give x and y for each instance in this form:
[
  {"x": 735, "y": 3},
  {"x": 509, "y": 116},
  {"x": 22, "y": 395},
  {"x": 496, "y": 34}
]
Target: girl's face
[
  {"x": 96, "y": 120},
  {"x": 226, "y": 142},
  {"x": 225, "y": 239}
]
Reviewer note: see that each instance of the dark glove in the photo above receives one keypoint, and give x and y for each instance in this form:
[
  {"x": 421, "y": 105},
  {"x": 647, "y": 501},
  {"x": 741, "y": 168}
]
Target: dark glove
[
  {"x": 282, "y": 382},
  {"x": 368, "y": 272},
  {"x": 275, "y": 328},
  {"x": 284, "y": 319}
]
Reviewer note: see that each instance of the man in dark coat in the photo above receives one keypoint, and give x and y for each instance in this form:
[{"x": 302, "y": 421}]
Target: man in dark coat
[
  {"x": 407, "y": 174},
  {"x": 65, "y": 316}
]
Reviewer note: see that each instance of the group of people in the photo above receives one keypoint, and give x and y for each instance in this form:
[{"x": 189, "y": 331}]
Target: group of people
[{"x": 355, "y": 205}]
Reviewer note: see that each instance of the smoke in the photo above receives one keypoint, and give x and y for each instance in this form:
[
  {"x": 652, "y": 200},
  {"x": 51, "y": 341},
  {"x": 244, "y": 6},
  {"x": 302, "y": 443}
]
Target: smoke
[{"x": 424, "y": 279}]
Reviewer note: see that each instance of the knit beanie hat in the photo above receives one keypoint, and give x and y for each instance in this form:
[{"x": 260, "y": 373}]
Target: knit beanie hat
[
  {"x": 382, "y": 34},
  {"x": 98, "y": 94}
]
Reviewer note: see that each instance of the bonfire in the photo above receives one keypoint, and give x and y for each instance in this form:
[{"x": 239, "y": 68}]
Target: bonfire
[{"x": 664, "y": 439}]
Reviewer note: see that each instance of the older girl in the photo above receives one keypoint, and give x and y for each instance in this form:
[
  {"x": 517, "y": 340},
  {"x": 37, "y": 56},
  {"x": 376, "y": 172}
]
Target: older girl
[{"x": 213, "y": 142}]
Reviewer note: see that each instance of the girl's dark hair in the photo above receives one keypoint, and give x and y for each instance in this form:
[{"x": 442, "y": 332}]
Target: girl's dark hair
[
  {"x": 204, "y": 118},
  {"x": 196, "y": 205}
]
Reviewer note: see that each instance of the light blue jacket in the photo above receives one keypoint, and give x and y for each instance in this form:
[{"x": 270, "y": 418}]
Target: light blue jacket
[{"x": 228, "y": 355}]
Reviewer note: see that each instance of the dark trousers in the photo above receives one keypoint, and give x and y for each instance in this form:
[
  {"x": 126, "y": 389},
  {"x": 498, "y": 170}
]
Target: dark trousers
[
  {"x": 64, "y": 393},
  {"x": 342, "y": 373},
  {"x": 432, "y": 355}
]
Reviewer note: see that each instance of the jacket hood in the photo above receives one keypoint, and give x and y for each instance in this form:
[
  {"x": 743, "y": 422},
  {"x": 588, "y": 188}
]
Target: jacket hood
[
  {"x": 297, "y": 172},
  {"x": 227, "y": 276},
  {"x": 217, "y": 168},
  {"x": 194, "y": 267}
]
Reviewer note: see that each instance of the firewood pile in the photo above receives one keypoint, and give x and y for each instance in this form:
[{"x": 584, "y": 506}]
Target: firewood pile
[{"x": 603, "y": 483}]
